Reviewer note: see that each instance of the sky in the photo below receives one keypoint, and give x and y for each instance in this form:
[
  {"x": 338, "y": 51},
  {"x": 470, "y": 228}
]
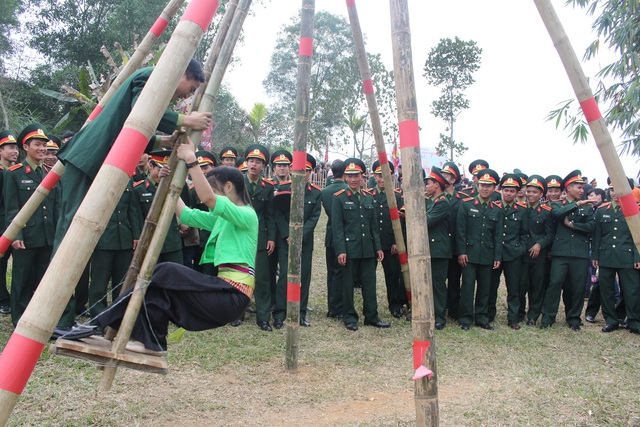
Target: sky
[{"x": 520, "y": 79}]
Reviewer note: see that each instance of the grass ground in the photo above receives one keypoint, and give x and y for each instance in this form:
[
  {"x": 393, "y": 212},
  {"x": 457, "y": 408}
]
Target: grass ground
[{"x": 236, "y": 377}]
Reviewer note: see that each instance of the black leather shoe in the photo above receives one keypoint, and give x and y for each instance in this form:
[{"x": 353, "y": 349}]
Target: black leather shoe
[
  {"x": 531, "y": 322},
  {"x": 575, "y": 328},
  {"x": 514, "y": 325},
  {"x": 278, "y": 324},
  {"x": 590, "y": 319},
  {"x": 236, "y": 323},
  {"x": 439, "y": 326},
  {"x": 352, "y": 326},
  {"x": 334, "y": 315},
  {"x": 264, "y": 325},
  {"x": 609, "y": 327},
  {"x": 5, "y": 309},
  {"x": 378, "y": 324},
  {"x": 465, "y": 327},
  {"x": 303, "y": 322},
  {"x": 485, "y": 326},
  {"x": 397, "y": 314},
  {"x": 543, "y": 326},
  {"x": 73, "y": 332}
]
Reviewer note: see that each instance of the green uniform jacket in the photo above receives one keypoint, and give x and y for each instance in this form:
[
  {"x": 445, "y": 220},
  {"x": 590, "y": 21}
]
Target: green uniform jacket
[
  {"x": 613, "y": 246},
  {"x": 354, "y": 229},
  {"x": 327, "y": 199},
  {"x": 515, "y": 230},
  {"x": 383, "y": 217},
  {"x": 438, "y": 216},
  {"x": 90, "y": 146},
  {"x": 123, "y": 225},
  {"x": 144, "y": 191},
  {"x": 478, "y": 233},
  {"x": 20, "y": 182},
  {"x": 312, "y": 211},
  {"x": 541, "y": 231},
  {"x": 262, "y": 202},
  {"x": 3, "y": 226},
  {"x": 567, "y": 241},
  {"x": 455, "y": 200}
]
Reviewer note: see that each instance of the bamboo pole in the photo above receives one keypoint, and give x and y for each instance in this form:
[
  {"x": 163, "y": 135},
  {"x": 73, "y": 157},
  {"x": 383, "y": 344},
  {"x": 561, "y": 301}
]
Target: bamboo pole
[
  {"x": 41, "y": 315},
  {"x": 369, "y": 92},
  {"x": 57, "y": 171},
  {"x": 424, "y": 355},
  {"x": 593, "y": 116},
  {"x": 298, "y": 178}
]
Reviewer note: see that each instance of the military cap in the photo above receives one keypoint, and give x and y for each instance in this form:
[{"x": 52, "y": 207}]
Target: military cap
[
  {"x": 378, "y": 169},
  {"x": 311, "y": 162},
  {"x": 281, "y": 157},
  {"x": 477, "y": 165},
  {"x": 7, "y": 137},
  {"x": 573, "y": 177},
  {"x": 257, "y": 151},
  {"x": 353, "y": 165},
  {"x": 488, "y": 176},
  {"x": 511, "y": 180},
  {"x": 436, "y": 175},
  {"x": 54, "y": 143},
  {"x": 452, "y": 169},
  {"x": 161, "y": 157},
  {"x": 538, "y": 182},
  {"x": 632, "y": 184},
  {"x": 554, "y": 181},
  {"x": 34, "y": 130},
  {"x": 228, "y": 152},
  {"x": 206, "y": 158},
  {"x": 241, "y": 164},
  {"x": 523, "y": 177}
]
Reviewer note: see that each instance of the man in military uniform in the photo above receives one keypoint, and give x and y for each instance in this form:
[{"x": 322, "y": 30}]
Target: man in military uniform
[
  {"x": 514, "y": 238},
  {"x": 8, "y": 149},
  {"x": 475, "y": 167},
  {"x": 615, "y": 253},
  {"x": 241, "y": 164},
  {"x": 53, "y": 146},
  {"x": 207, "y": 162},
  {"x": 541, "y": 232},
  {"x": 554, "y": 188},
  {"x": 33, "y": 245},
  {"x": 8, "y": 157},
  {"x": 228, "y": 156},
  {"x": 521, "y": 197},
  {"x": 357, "y": 243},
  {"x": 479, "y": 248},
  {"x": 334, "y": 270},
  {"x": 570, "y": 252},
  {"x": 438, "y": 215}
]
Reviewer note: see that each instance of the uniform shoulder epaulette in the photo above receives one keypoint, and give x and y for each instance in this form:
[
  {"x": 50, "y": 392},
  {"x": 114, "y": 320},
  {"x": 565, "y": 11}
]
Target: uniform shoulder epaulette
[
  {"x": 461, "y": 194},
  {"x": 497, "y": 203},
  {"x": 468, "y": 199},
  {"x": 316, "y": 187},
  {"x": 546, "y": 207},
  {"x": 397, "y": 190},
  {"x": 270, "y": 181},
  {"x": 16, "y": 166},
  {"x": 367, "y": 191},
  {"x": 521, "y": 204},
  {"x": 604, "y": 205},
  {"x": 283, "y": 182},
  {"x": 339, "y": 192},
  {"x": 135, "y": 184}
]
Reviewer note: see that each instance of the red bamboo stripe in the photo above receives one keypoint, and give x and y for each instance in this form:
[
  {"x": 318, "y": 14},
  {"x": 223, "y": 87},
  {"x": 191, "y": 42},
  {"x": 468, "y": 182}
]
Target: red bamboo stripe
[
  {"x": 409, "y": 134},
  {"x": 200, "y": 12},
  {"x": 409, "y": 296},
  {"x": 293, "y": 292},
  {"x": 126, "y": 150},
  {"x": 403, "y": 258},
  {"x": 351, "y": 3},
  {"x": 628, "y": 205},
  {"x": 394, "y": 214},
  {"x": 5, "y": 244},
  {"x": 367, "y": 86},
  {"x": 419, "y": 350},
  {"x": 97, "y": 110},
  {"x": 590, "y": 110},
  {"x": 383, "y": 158},
  {"x": 159, "y": 26},
  {"x": 306, "y": 46},
  {"x": 299, "y": 161},
  {"x": 17, "y": 361},
  {"x": 50, "y": 180}
]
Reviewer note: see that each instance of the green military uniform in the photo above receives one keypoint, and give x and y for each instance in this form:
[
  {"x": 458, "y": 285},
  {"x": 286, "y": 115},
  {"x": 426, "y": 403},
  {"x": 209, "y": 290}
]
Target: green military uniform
[
  {"x": 438, "y": 216},
  {"x": 6, "y": 137}
]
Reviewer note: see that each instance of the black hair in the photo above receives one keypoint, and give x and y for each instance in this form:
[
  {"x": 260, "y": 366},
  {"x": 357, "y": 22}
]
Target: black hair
[
  {"x": 441, "y": 185},
  {"x": 220, "y": 175},
  {"x": 194, "y": 71},
  {"x": 67, "y": 134},
  {"x": 337, "y": 167},
  {"x": 598, "y": 191}
]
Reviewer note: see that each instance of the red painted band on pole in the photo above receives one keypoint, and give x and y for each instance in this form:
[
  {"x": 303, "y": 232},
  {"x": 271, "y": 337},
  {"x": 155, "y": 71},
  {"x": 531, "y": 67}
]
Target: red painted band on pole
[
  {"x": 395, "y": 215},
  {"x": 367, "y": 85},
  {"x": 351, "y": 3},
  {"x": 97, "y": 110},
  {"x": 403, "y": 258},
  {"x": 200, "y": 12},
  {"x": 628, "y": 205},
  {"x": 409, "y": 296},
  {"x": 299, "y": 161},
  {"x": 5, "y": 244},
  {"x": 591, "y": 110},
  {"x": 50, "y": 181},
  {"x": 17, "y": 361},
  {"x": 409, "y": 134},
  {"x": 293, "y": 292},
  {"x": 126, "y": 150},
  {"x": 158, "y": 27},
  {"x": 419, "y": 350},
  {"x": 382, "y": 157},
  {"x": 306, "y": 46}
]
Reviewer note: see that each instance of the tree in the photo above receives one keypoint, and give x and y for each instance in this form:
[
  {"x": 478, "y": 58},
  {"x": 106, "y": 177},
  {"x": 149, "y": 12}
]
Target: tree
[
  {"x": 451, "y": 64},
  {"x": 256, "y": 118},
  {"x": 9, "y": 12},
  {"x": 617, "y": 24}
]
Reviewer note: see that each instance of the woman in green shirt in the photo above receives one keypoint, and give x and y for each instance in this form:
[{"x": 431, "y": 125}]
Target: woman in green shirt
[{"x": 189, "y": 299}]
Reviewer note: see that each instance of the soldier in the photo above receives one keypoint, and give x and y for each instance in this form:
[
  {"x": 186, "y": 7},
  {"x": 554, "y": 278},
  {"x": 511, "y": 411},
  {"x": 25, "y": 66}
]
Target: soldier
[
  {"x": 357, "y": 244},
  {"x": 474, "y": 169},
  {"x": 207, "y": 162},
  {"x": 479, "y": 247},
  {"x": 541, "y": 232},
  {"x": 33, "y": 245},
  {"x": 228, "y": 156},
  {"x": 570, "y": 252},
  {"x": 615, "y": 253},
  {"x": 9, "y": 151},
  {"x": 521, "y": 197},
  {"x": 554, "y": 188},
  {"x": 241, "y": 164},
  {"x": 8, "y": 157},
  {"x": 334, "y": 270},
  {"x": 438, "y": 215},
  {"x": 142, "y": 169},
  {"x": 50, "y": 159},
  {"x": 513, "y": 241},
  {"x": 396, "y": 294}
]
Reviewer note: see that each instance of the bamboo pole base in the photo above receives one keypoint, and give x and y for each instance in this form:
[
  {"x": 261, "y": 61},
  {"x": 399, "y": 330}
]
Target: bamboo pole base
[{"x": 98, "y": 349}]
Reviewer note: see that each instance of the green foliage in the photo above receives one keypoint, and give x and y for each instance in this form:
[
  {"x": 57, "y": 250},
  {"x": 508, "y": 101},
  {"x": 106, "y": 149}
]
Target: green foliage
[
  {"x": 450, "y": 65},
  {"x": 230, "y": 123},
  {"x": 9, "y": 11},
  {"x": 255, "y": 118}
]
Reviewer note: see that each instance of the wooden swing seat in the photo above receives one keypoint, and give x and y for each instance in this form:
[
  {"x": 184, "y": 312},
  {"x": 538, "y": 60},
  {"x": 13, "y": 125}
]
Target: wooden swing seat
[{"x": 98, "y": 349}]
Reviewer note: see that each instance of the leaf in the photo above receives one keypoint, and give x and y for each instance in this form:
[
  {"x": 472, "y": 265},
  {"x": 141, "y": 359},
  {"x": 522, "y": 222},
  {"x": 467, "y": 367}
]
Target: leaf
[
  {"x": 57, "y": 95},
  {"x": 83, "y": 82}
]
